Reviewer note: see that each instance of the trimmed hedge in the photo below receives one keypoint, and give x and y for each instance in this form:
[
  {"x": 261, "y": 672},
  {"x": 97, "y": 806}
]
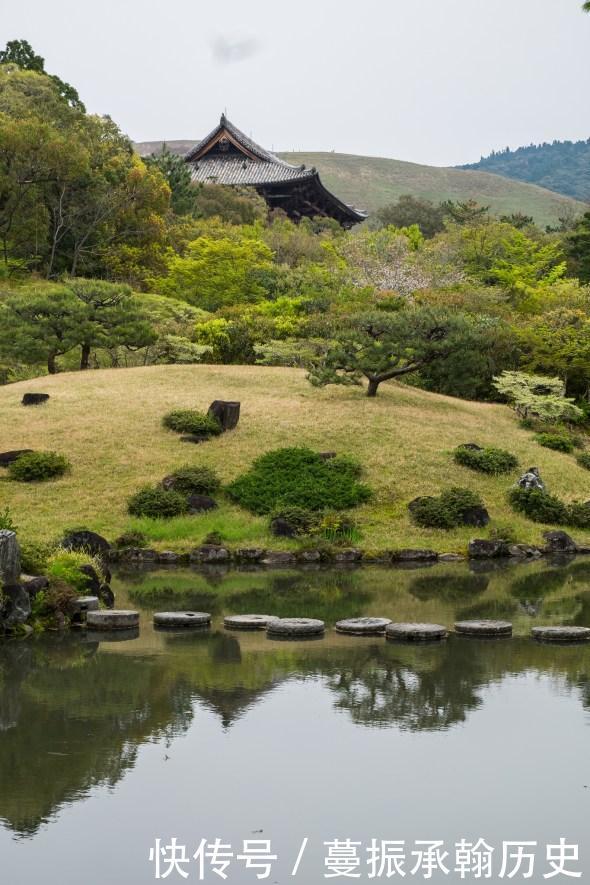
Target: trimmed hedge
[
  {"x": 486, "y": 460},
  {"x": 559, "y": 442},
  {"x": 298, "y": 477},
  {"x": 38, "y": 467},
  {"x": 192, "y": 421},
  {"x": 193, "y": 480},
  {"x": 543, "y": 507},
  {"x": 156, "y": 502},
  {"x": 447, "y": 511},
  {"x": 584, "y": 460}
]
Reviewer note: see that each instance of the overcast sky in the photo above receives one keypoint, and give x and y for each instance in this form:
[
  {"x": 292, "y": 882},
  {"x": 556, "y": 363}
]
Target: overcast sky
[{"x": 432, "y": 81}]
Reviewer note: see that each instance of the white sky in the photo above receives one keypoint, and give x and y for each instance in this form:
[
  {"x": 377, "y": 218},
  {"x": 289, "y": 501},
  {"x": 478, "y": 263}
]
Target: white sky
[{"x": 432, "y": 81}]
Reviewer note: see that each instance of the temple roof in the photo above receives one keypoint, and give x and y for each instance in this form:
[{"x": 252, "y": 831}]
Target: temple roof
[{"x": 227, "y": 156}]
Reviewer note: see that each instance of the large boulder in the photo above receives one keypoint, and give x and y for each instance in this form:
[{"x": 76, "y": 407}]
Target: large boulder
[
  {"x": 16, "y": 606},
  {"x": 531, "y": 480},
  {"x": 92, "y": 579},
  {"x": 200, "y": 503},
  {"x": 86, "y": 541},
  {"x": 34, "y": 399},
  {"x": 227, "y": 413},
  {"x": 7, "y": 458},
  {"x": 210, "y": 553},
  {"x": 9, "y": 557},
  {"x": 34, "y": 584},
  {"x": 281, "y": 527},
  {"x": 559, "y": 542},
  {"x": 478, "y": 517},
  {"x": 480, "y": 548}
]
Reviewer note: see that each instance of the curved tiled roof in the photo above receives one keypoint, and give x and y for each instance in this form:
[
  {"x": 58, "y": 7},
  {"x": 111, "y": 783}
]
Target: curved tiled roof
[{"x": 242, "y": 170}]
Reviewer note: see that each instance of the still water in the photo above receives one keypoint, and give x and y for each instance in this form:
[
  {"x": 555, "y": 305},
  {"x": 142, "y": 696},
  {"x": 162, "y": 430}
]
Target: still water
[{"x": 106, "y": 746}]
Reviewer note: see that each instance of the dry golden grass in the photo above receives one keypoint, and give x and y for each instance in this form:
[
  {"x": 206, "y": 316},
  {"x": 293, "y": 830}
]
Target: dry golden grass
[{"x": 108, "y": 424}]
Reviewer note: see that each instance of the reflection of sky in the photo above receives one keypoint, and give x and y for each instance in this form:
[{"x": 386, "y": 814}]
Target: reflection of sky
[{"x": 294, "y": 766}]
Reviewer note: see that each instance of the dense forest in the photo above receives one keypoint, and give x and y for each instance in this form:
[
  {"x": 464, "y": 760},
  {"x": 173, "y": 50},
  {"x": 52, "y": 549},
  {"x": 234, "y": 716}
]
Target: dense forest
[{"x": 562, "y": 166}]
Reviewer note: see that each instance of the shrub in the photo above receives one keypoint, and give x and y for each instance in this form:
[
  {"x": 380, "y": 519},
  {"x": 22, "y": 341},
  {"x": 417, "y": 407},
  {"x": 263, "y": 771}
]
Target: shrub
[
  {"x": 64, "y": 567},
  {"x": 339, "y": 528},
  {"x": 583, "y": 460},
  {"x": 304, "y": 522},
  {"x": 579, "y": 514},
  {"x": 539, "y": 506},
  {"x": 445, "y": 512},
  {"x": 6, "y": 520},
  {"x": 156, "y": 502},
  {"x": 191, "y": 421},
  {"x": 346, "y": 464},
  {"x": 34, "y": 556},
  {"x": 130, "y": 539},
  {"x": 560, "y": 442},
  {"x": 191, "y": 480},
  {"x": 38, "y": 466},
  {"x": 486, "y": 460},
  {"x": 56, "y": 599},
  {"x": 297, "y": 477}
]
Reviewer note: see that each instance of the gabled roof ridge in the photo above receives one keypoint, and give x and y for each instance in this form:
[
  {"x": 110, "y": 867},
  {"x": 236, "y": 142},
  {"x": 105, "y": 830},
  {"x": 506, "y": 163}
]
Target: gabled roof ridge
[{"x": 242, "y": 139}]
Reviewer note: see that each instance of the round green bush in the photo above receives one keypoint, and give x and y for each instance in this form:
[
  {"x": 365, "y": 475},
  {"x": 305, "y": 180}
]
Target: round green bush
[
  {"x": 191, "y": 421},
  {"x": 38, "y": 466},
  {"x": 156, "y": 502},
  {"x": 539, "y": 506},
  {"x": 447, "y": 511},
  {"x": 486, "y": 460},
  {"x": 560, "y": 442},
  {"x": 193, "y": 480},
  {"x": 579, "y": 514},
  {"x": 297, "y": 477},
  {"x": 583, "y": 460}
]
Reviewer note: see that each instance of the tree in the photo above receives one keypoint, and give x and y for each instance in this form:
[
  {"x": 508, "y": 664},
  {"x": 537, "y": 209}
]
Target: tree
[
  {"x": 468, "y": 212},
  {"x": 21, "y": 53},
  {"x": 558, "y": 342},
  {"x": 578, "y": 246},
  {"x": 411, "y": 210},
  {"x": 381, "y": 346},
  {"x": 178, "y": 175},
  {"x": 536, "y": 395}
]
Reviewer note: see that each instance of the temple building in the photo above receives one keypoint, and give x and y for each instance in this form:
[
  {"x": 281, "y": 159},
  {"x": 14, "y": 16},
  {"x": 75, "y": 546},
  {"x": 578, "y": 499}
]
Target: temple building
[{"x": 227, "y": 156}]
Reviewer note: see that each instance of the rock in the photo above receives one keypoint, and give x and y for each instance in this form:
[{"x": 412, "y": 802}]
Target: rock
[
  {"x": 106, "y": 595},
  {"x": 34, "y": 399},
  {"x": 200, "y": 503},
  {"x": 483, "y": 628},
  {"x": 478, "y": 517},
  {"x": 559, "y": 542},
  {"x": 531, "y": 480},
  {"x": 280, "y": 527},
  {"x": 168, "y": 556},
  {"x": 480, "y": 548},
  {"x": 9, "y": 558},
  {"x": 451, "y": 557},
  {"x": 117, "y": 619},
  {"x": 309, "y": 556},
  {"x": 182, "y": 619},
  {"x": 278, "y": 557},
  {"x": 352, "y": 555},
  {"x": 561, "y": 634},
  {"x": 327, "y": 456},
  {"x": 209, "y": 553},
  {"x": 227, "y": 413},
  {"x": 362, "y": 626},
  {"x": 295, "y": 627},
  {"x": 248, "y": 622},
  {"x": 83, "y": 604},
  {"x": 34, "y": 584},
  {"x": 582, "y": 549},
  {"x": 7, "y": 458},
  {"x": 250, "y": 554},
  {"x": 415, "y": 632},
  {"x": 524, "y": 550},
  {"x": 92, "y": 579},
  {"x": 414, "y": 556},
  {"x": 16, "y": 606},
  {"x": 87, "y": 542}
]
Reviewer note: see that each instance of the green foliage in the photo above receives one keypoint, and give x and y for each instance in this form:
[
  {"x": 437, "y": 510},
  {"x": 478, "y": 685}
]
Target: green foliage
[
  {"x": 486, "y": 460},
  {"x": 21, "y": 53},
  {"x": 178, "y": 176},
  {"x": 156, "y": 502},
  {"x": 446, "y": 511},
  {"x": 38, "y": 467},
  {"x": 6, "y": 521},
  {"x": 536, "y": 396},
  {"x": 583, "y": 460},
  {"x": 409, "y": 210},
  {"x": 64, "y": 567},
  {"x": 539, "y": 506},
  {"x": 578, "y": 245},
  {"x": 556, "y": 441},
  {"x": 338, "y": 529},
  {"x": 579, "y": 514},
  {"x": 195, "y": 479},
  {"x": 297, "y": 477},
  {"x": 191, "y": 421},
  {"x": 132, "y": 538},
  {"x": 303, "y": 521},
  {"x": 34, "y": 556}
]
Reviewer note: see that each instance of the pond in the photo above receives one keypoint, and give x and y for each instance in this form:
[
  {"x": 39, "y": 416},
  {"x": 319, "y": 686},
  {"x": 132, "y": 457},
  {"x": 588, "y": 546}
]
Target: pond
[{"x": 108, "y": 746}]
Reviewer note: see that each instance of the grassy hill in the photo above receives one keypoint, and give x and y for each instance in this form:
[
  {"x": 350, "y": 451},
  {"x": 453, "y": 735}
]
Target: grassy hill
[
  {"x": 372, "y": 182},
  {"x": 108, "y": 424}
]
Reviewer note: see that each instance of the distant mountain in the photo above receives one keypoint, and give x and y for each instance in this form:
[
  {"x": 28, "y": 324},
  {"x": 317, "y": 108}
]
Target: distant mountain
[
  {"x": 563, "y": 166},
  {"x": 371, "y": 182}
]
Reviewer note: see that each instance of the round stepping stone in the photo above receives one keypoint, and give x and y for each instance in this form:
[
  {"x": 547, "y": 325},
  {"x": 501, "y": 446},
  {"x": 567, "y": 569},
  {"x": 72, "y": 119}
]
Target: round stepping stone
[
  {"x": 415, "y": 632},
  {"x": 561, "y": 634},
  {"x": 484, "y": 628},
  {"x": 182, "y": 619},
  {"x": 84, "y": 604},
  {"x": 295, "y": 627},
  {"x": 116, "y": 619},
  {"x": 362, "y": 626},
  {"x": 248, "y": 622}
]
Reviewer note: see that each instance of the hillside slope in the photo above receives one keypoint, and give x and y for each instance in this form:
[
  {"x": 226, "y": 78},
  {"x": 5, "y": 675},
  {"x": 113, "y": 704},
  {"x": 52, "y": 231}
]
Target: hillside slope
[
  {"x": 372, "y": 182},
  {"x": 562, "y": 166},
  {"x": 108, "y": 423}
]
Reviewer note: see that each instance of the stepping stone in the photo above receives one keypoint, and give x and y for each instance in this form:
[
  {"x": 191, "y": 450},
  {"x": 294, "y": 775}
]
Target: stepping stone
[
  {"x": 295, "y": 627},
  {"x": 182, "y": 619},
  {"x": 84, "y": 604},
  {"x": 116, "y": 619},
  {"x": 363, "y": 626},
  {"x": 483, "y": 628},
  {"x": 248, "y": 622},
  {"x": 416, "y": 632},
  {"x": 561, "y": 634}
]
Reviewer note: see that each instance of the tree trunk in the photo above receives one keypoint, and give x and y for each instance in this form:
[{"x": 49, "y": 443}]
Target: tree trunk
[
  {"x": 372, "y": 388},
  {"x": 51, "y": 366},
  {"x": 85, "y": 357}
]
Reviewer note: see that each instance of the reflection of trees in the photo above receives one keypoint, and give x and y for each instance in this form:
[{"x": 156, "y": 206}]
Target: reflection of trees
[
  {"x": 327, "y": 595},
  {"x": 448, "y": 587}
]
